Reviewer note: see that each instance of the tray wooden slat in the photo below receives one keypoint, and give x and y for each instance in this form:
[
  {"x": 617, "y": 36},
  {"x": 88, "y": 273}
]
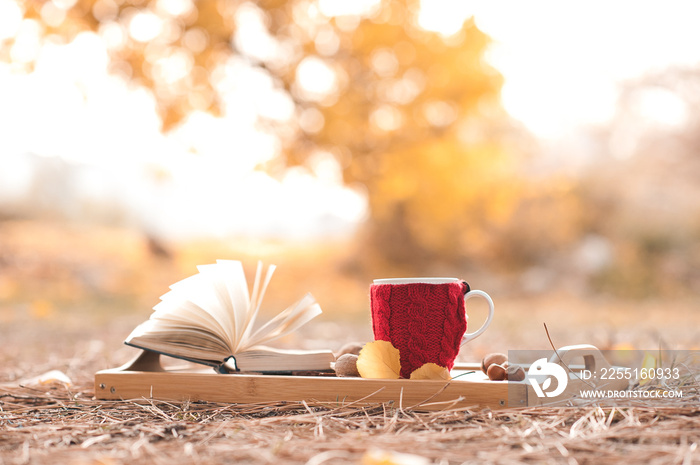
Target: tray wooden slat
[
  {"x": 242, "y": 388},
  {"x": 144, "y": 377}
]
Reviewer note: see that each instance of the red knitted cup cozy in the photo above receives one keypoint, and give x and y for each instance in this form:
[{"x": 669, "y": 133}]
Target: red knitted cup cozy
[{"x": 425, "y": 322}]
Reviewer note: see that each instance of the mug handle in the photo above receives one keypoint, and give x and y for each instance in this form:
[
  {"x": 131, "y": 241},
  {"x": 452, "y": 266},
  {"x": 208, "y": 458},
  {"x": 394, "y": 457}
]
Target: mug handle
[{"x": 469, "y": 336}]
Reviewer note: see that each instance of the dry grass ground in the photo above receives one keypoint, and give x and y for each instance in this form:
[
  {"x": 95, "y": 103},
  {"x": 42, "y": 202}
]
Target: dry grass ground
[
  {"x": 55, "y": 424},
  {"x": 62, "y": 307},
  {"x": 58, "y": 423}
]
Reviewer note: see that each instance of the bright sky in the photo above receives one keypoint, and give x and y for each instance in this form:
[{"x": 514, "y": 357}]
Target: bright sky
[{"x": 562, "y": 63}]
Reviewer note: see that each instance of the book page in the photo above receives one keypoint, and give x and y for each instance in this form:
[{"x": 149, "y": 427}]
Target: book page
[
  {"x": 256, "y": 301},
  {"x": 291, "y": 319},
  {"x": 212, "y": 311},
  {"x": 178, "y": 340},
  {"x": 228, "y": 280},
  {"x": 198, "y": 290},
  {"x": 188, "y": 313},
  {"x": 269, "y": 359}
]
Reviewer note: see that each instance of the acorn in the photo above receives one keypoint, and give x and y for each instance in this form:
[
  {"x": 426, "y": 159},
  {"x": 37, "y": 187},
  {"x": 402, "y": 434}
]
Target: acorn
[
  {"x": 515, "y": 373},
  {"x": 496, "y": 372},
  {"x": 351, "y": 348},
  {"x": 346, "y": 366},
  {"x": 491, "y": 359}
]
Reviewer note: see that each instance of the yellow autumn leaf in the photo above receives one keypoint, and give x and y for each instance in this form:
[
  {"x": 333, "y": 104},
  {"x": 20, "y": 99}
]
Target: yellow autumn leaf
[
  {"x": 390, "y": 457},
  {"x": 431, "y": 371},
  {"x": 379, "y": 359}
]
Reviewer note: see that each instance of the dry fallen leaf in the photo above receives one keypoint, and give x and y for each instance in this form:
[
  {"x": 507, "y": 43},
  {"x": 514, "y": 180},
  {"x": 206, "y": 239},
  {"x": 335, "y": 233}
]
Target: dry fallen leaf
[
  {"x": 50, "y": 377},
  {"x": 388, "y": 457},
  {"x": 379, "y": 359},
  {"x": 431, "y": 371}
]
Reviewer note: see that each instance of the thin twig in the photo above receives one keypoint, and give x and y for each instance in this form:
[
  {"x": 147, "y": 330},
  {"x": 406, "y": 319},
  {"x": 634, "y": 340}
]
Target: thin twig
[{"x": 561, "y": 361}]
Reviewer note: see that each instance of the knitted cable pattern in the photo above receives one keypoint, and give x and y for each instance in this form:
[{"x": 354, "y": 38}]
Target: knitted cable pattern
[
  {"x": 425, "y": 322},
  {"x": 380, "y": 298}
]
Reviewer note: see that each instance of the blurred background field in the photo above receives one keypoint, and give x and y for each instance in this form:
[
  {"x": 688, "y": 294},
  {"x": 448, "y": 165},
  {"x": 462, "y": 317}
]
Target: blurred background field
[{"x": 548, "y": 155}]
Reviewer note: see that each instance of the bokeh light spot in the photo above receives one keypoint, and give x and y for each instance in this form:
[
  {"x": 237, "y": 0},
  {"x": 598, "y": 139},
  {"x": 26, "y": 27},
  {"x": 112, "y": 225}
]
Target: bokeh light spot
[
  {"x": 10, "y": 19},
  {"x": 315, "y": 79},
  {"x": 145, "y": 26},
  {"x": 386, "y": 118}
]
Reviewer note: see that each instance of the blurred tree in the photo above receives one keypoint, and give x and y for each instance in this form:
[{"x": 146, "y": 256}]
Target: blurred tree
[
  {"x": 420, "y": 119},
  {"x": 413, "y": 116},
  {"x": 652, "y": 145}
]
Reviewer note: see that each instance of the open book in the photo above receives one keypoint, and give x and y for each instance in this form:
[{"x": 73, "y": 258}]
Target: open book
[{"x": 210, "y": 318}]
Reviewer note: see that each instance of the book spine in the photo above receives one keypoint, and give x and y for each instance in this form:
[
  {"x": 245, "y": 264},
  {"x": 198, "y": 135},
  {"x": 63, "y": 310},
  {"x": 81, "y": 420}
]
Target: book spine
[{"x": 209, "y": 363}]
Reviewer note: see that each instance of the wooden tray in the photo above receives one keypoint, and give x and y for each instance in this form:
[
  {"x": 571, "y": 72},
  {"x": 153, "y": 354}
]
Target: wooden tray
[{"x": 144, "y": 377}]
